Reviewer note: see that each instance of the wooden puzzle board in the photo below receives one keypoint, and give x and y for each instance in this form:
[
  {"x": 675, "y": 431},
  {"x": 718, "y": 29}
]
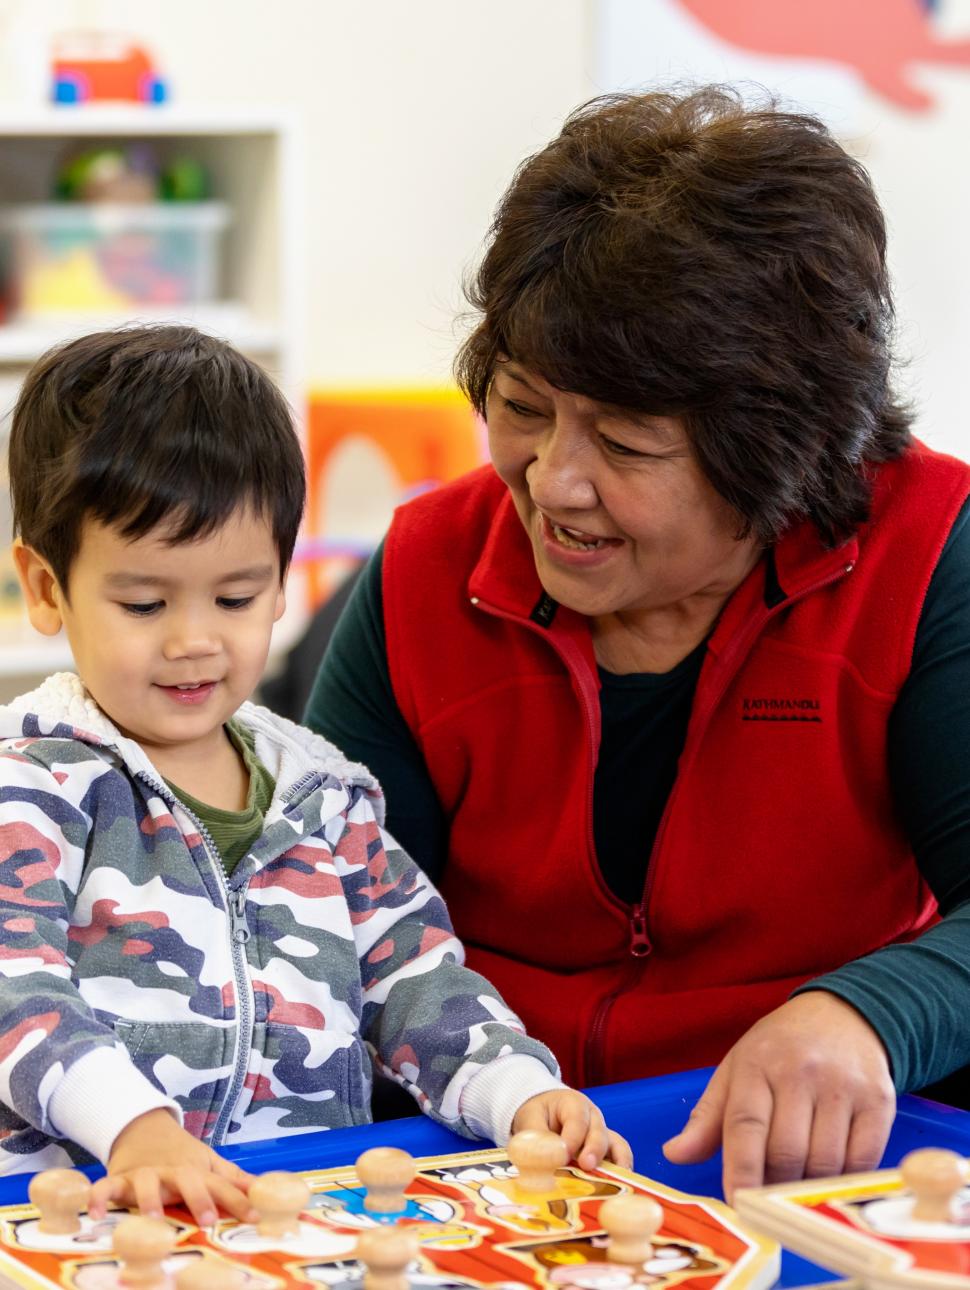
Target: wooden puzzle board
[
  {"x": 861, "y": 1225},
  {"x": 474, "y": 1229}
]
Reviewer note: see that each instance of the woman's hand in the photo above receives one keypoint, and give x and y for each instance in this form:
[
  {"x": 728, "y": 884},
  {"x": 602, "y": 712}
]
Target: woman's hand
[
  {"x": 580, "y": 1124},
  {"x": 154, "y": 1162},
  {"x": 806, "y": 1093}
]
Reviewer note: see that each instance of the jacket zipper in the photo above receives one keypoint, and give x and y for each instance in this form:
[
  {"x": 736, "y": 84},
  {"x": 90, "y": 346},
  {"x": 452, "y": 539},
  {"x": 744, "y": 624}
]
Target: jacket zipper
[
  {"x": 640, "y": 947},
  {"x": 239, "y": 934}
]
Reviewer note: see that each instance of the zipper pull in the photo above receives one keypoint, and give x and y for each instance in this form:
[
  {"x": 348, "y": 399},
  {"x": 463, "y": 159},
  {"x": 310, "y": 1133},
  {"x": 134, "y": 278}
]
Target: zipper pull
[
  {"x": 640, "y": 945},
  {"x": 239, "y": 928}
]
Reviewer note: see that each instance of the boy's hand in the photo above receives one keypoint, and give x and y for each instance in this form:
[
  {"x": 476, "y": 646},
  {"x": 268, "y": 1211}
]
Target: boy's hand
[
  {"x": 155, "y": 1162},
  {"x": 580, "y": 1124}
]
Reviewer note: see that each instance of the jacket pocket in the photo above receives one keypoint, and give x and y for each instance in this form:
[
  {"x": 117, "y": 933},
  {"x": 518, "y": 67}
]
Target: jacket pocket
[
  {"x": 189, "y": 1061},
  {"x": 301, "y": 1080}
]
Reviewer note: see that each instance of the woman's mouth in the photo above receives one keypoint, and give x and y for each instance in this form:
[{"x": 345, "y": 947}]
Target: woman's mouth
[
  {"x": 576, "y": 539},
  {"x": 572, "y": 547}
]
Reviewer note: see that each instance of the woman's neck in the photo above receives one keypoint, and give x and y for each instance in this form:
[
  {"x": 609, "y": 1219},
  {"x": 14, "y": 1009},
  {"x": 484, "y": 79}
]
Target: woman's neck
[{"x": 657, "y": 638}]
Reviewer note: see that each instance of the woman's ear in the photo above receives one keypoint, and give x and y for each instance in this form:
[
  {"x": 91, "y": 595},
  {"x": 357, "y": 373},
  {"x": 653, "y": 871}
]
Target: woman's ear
[{"x": 41, "y": 592}]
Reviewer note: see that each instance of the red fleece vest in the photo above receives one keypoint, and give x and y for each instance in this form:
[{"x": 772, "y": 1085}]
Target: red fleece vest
[{"x": 779, "y": 856}]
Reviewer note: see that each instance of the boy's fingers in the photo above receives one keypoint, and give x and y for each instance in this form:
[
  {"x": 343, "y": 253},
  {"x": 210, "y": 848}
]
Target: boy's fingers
[
  {"x": 195, "y": 1190},
  {"x": 620, "y": 1151},
  {"x": 146, "y": 1187},
  {"x": 575, "y": 1125},
  {"x": 232, "y": 1173},
  {"x": 103, "y": 1192},
  {"x": 232, "y": 1198},
  {"x": 595, "y": 1147}
]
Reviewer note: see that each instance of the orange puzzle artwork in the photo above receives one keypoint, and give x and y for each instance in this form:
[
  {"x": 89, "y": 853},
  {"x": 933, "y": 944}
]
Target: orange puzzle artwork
[
  {"x": 893, "y": 1229},
  {"x": 468, "y": 1221}
]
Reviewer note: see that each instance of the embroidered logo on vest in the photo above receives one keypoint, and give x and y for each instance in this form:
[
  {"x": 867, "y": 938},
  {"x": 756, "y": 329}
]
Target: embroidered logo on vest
[{"x": 777, "y": 709}]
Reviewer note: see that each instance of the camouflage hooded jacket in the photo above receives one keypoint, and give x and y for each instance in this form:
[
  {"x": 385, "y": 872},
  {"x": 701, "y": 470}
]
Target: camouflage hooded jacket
[{"x": 133, "y": 971}]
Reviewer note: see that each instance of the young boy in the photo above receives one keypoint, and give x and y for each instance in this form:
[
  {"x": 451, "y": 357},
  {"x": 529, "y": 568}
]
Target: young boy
[{"x": 205, "y": 935}]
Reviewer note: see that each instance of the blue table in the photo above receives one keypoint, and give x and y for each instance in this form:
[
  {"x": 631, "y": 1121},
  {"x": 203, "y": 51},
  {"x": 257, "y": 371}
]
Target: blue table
[{"x": 646, "y": 1112}]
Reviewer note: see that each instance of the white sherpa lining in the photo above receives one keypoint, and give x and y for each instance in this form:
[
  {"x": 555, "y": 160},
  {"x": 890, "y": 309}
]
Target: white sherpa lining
[{"x": 286, "y": 749}]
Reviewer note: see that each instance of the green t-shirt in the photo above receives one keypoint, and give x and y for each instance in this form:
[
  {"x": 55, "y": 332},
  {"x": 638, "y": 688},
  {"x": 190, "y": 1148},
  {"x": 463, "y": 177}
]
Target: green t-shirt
[{"x": 234, "y": 832}]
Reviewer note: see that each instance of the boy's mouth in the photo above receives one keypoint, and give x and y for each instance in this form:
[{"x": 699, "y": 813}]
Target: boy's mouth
[{"x": 189, "y": 693}]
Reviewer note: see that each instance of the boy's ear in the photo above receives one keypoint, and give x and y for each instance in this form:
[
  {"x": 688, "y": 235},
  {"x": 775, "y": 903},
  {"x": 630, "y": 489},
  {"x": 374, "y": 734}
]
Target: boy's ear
[
  {"x": 280, "y": 603},
  {"x": 41, "y": 591}
]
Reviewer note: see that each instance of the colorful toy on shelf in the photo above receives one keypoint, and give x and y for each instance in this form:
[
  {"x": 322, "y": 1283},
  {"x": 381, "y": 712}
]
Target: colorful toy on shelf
[
  {"x": 128, "y": 173},
  {"x": 108, "y": 245},
  {"x": 96, "y": 66},
  {"x": 183, "y": 179},
  {"x": 89, "y": 257}
]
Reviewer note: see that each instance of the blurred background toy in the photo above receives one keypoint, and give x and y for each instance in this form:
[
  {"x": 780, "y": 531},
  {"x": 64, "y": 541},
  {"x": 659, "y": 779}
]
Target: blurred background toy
[
  {"x": 125, "y": 231},
  {"x": 97, "y": 66}
]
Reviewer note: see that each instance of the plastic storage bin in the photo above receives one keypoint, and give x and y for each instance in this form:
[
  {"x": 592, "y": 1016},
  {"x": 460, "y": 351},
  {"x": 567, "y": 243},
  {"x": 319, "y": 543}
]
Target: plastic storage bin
[{"x": 106, "y": 258}]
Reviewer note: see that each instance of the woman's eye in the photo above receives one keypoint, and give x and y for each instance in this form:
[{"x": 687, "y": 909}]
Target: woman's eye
[
  {"x": 519, "y": 409},
  {"x": 235, "y": 602},
  {"x": 619, "y": 449},
  {"x": 142, "y": 608}
]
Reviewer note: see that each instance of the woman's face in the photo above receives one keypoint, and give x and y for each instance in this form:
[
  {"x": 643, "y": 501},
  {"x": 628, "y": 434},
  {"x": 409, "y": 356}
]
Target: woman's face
[{"x": 620, "y": 517}]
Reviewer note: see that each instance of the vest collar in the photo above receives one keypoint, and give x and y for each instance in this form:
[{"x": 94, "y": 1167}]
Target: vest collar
[{"x": 505, "y": 576}]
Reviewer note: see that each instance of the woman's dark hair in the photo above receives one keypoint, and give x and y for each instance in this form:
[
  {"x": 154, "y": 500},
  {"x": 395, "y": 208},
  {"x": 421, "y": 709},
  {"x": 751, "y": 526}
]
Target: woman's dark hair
[
  {"x": 688, "y": 255},
  {"x": 146, "y": 426}
]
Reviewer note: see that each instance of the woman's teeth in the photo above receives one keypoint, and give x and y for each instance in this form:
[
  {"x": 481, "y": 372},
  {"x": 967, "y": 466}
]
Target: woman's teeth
[{"x": 570, "y": 538}]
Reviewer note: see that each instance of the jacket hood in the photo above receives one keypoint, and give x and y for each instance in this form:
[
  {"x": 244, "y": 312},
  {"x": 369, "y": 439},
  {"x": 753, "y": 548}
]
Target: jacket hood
[{"x": 62, "y": 708}]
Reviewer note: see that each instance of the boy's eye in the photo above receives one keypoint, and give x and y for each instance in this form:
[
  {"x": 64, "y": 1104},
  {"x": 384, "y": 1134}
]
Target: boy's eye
[
  {"x": 142, "y": 608},
  {"x": 234, "y": 602}
]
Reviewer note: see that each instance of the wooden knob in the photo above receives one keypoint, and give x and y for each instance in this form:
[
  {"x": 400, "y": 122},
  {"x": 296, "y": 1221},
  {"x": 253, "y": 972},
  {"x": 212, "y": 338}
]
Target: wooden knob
[
  {"x": 141, "y": 1244},
  {"x": 630, "y": 1222},
  {"x": 60, "y": 1195},
  {"x": 210, "y": 1274},
  {"x": 537, "y": 1155},
  {"x": 385, "y": 1253},
  {"x": 279, "y": 1198},
  {"x": 934, "y": 1176},
  {"x": 386, "y": 1173}
]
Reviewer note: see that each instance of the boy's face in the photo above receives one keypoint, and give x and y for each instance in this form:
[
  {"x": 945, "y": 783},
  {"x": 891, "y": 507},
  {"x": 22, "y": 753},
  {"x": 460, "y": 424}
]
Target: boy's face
[{"x": 170, "y": 640}]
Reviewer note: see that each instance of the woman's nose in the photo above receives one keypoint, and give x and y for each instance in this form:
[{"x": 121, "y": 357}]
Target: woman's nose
[{"x": 559, "y": 476}]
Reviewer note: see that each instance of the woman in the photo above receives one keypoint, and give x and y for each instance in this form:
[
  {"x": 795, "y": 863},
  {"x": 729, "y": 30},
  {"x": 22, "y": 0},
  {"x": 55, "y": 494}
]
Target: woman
[{"x": 672, "y": 698}]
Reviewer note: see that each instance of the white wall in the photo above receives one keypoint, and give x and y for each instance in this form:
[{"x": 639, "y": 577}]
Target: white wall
[{"x": 414, "y": 114}]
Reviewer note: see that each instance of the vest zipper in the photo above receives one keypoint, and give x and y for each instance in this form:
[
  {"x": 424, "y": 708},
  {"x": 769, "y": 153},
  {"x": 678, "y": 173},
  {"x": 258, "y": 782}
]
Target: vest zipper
[{"x": 640, "y": 948}]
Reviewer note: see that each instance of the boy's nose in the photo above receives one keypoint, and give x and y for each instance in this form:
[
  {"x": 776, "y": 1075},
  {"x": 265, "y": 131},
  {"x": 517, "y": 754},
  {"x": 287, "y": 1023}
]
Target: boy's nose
[{"x": 190, "y": 642}]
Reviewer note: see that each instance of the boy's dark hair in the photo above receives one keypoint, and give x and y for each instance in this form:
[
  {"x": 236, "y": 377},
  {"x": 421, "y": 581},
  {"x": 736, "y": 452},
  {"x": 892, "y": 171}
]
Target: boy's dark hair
[
  {"x": 150, "y": 425},
  {"x": 688, "y": 255}
]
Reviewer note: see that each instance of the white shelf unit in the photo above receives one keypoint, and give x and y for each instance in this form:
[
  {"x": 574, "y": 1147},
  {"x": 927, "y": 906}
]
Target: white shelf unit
[{"x": 253, "y": 162}]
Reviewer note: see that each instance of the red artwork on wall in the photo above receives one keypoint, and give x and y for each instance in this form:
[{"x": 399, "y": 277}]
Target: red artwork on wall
[{"x": 882, "y": 40}]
